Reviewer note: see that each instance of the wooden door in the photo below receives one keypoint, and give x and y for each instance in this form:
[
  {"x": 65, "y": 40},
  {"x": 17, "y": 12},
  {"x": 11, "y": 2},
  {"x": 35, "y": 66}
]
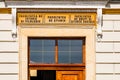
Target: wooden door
[{"x": 69, "y": 75}]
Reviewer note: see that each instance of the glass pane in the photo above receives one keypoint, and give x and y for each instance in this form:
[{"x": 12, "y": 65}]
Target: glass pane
[
  {"x": 42, "y": 51},
  {"x": 63, "y": 45},
  {"x": 63, "y": 57},
  {"x": 76, "y": 45},
  {"x": 49, "y": 45},
  {"x": 49, "y": 57},
  {"x": 76, "y": 57},
  {"x": 35, "y": 57},
  {"x": 35, "y": 45},
  {"x": 70, "y": 51}
]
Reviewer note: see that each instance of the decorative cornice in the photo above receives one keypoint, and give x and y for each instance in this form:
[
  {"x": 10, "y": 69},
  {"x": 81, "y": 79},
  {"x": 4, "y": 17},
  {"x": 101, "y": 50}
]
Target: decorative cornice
[{"x": 54, "y": 10}]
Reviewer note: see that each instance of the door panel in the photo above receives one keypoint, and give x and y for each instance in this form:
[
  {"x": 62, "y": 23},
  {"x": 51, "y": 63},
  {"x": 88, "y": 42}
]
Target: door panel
[{"x": 69, "y": 75}]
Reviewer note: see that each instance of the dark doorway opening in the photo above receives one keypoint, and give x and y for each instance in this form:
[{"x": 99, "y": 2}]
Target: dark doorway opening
[{"x": 45, "y": 75}]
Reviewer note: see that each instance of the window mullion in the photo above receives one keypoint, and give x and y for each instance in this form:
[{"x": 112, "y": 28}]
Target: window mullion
[
  {"x": 83, "y": 51},
  {"x": 56, "y": 51}
]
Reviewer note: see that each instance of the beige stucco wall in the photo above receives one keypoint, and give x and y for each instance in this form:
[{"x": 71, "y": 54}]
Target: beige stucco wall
[
  {"x": 108, "y": 50},
  {"x": 9, "y": 63}
]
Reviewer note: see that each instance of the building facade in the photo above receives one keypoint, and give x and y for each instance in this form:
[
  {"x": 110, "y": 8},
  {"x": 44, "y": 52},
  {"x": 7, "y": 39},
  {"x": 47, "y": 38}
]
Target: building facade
[{"x": 60, "y": 40}]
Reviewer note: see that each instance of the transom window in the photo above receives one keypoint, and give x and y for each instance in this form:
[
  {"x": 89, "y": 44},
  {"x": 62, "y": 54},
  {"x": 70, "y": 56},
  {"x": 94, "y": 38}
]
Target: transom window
[{"x": 56, "y": 50}]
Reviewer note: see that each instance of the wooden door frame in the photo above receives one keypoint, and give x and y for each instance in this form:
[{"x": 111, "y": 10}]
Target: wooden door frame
[
  {"x": 25, "y": 32},
  {"x": 79, "y": 68}
]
